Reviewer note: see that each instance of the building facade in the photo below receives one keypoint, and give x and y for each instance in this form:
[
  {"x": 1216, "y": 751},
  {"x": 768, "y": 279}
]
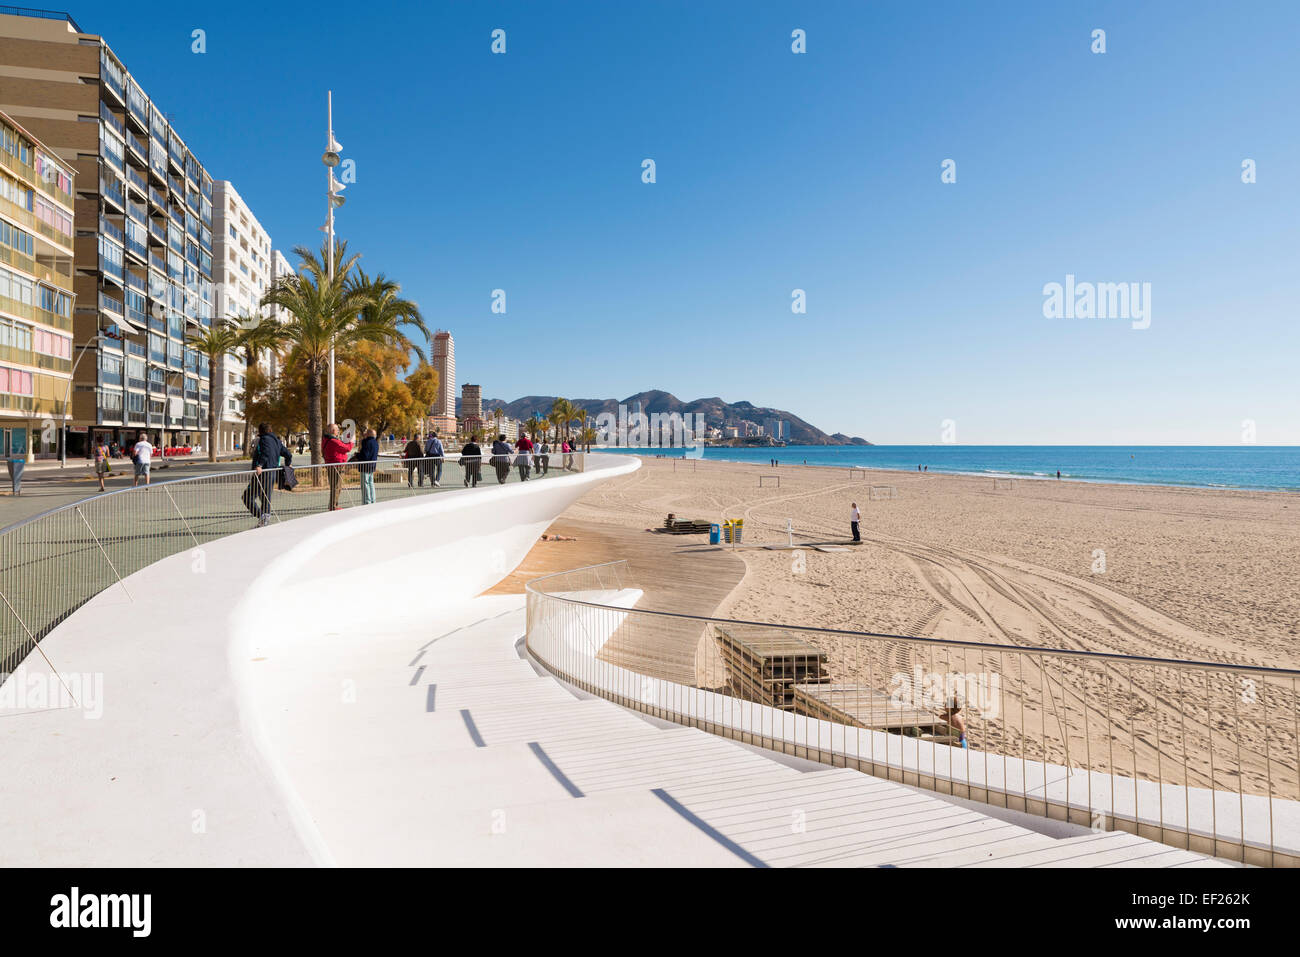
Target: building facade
[
  {"x": 36, "y": 294},
  {"x": 444, "y": 363},
  {"x": 142, "y": 252},
  {"x": 471, "y": 401},
  {"x": 243, "y": 262}
]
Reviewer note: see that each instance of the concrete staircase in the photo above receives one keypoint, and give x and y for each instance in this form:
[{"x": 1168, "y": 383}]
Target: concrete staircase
[{"x": 458, "y": 752}]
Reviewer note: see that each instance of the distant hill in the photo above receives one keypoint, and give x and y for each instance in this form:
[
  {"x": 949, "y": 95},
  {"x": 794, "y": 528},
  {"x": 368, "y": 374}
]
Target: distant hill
[{"x": 716, "y": 413}]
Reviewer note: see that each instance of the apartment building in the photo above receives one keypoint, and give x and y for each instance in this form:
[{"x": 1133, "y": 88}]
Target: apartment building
[
  {"x": 142, "y": 251},
  {"x": 444, "y": 363},
  {"x": 36, "y": 294},
  {"x": 243, "y": 266}
]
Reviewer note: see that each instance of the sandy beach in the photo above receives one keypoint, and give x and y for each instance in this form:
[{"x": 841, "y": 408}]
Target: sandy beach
[{"x": 1175, "y": 573}]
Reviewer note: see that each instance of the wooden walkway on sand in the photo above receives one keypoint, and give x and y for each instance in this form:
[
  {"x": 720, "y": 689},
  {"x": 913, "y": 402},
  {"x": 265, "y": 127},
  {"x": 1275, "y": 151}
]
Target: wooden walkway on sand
[{"x": 678, "y": 573}]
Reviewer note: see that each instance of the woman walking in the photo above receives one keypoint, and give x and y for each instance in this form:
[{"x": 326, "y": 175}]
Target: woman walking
[{"x": 102, "y": 467}]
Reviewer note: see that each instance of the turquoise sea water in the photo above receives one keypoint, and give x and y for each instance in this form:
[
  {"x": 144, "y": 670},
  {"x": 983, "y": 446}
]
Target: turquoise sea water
[{"x": 1274, "y": 468}]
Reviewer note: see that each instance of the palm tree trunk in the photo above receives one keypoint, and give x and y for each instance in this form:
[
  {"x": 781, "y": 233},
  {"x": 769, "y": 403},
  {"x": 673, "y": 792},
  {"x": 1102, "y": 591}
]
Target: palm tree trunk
[
  {"x": 314, "y": 429},
  {"x": 215, "y": 407}
]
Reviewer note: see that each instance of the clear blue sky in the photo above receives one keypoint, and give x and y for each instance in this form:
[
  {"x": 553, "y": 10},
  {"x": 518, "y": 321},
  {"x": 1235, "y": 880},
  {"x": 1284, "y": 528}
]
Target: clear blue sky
[{"x": 779, "y": 171}]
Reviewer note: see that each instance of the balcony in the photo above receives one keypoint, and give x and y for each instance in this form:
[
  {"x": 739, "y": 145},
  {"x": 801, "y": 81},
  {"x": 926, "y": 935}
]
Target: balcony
[
  {"x": 157, "y": 162},
  {"x": 137, "y": 248},
  {"x": 112, "y": 83},
  {"x": 157, "y": 197},
  {"x": 157, "y": 233},
  {"x": 157, "y": 262},
  {"x": 113, "y": 232},
  {"x": 137, "y": 106},
  {"x": 137, "y": 149},
  {"x": 133, "y": 178},
  {"x": 113, "y": 122},
  {"x": 111, "y": 191},
  {"x": 28, "y": 220},
  {"x": 111, "y": 305}
]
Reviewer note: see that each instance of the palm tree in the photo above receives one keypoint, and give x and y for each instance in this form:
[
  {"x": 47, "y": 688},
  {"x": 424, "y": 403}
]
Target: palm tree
[
  {"x": 497, "y": 414},
  {"x": 561, "y": 410},
  {"x": 576, "y": 414},
  {"x": 257, "y": 335},
  {"x": 387, "y": 307},
  {"x": 534, "y": 425},
  {"x": 334, "y": 313},
  {"x": 215, "y": 341}
]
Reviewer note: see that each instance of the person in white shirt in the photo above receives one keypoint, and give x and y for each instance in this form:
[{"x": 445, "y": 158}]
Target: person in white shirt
[
  {"x": 854, "y": 517},
  {"x": 142, "y": 452}
]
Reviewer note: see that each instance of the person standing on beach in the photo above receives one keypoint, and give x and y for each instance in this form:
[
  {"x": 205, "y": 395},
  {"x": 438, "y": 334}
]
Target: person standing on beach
[
  {"x": 854, "y": 518},
  {"x": 1058, "y": 475}
]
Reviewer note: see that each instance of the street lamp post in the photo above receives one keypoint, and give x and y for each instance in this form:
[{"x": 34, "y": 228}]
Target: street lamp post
[
  {"x": 67, "y": 393},
  {"x": 333, "y": 200}
]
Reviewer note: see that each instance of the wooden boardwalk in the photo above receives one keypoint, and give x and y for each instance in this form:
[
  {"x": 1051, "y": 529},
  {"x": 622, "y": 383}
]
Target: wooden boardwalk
[{"x": 678, "y": 573}]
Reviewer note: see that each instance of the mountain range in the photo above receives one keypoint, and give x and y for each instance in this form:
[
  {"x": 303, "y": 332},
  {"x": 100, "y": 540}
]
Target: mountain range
[{"x": 716, "y": 413}]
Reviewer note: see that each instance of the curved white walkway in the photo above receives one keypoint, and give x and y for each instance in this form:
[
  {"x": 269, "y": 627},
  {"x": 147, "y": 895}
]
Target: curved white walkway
[{"x": 341, "y": 699}]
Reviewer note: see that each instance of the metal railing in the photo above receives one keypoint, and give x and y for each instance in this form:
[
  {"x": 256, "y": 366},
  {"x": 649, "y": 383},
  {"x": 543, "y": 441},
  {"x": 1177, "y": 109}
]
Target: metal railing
[
  {"x": 53, "y": 563},
  {"x": 1195, "y": 754}
]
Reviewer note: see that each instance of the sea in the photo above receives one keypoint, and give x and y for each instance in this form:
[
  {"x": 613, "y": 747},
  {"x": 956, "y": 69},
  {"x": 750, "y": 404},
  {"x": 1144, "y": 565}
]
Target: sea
[{"x": 1268, "y": 468}]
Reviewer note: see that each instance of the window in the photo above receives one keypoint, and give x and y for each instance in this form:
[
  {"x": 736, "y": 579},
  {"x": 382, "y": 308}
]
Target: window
[
  {"x": 47, "y": 212},
  {"x": 15, "y": 146},
  {"x": 15, "y": 192},
  {"x": 17, "y": 239},
  {"x": 15, "y": 381},
  {"x": 14, "y": 286},
  {"x": 52, "y": 300},
  {"x": 52, "y": 344}
]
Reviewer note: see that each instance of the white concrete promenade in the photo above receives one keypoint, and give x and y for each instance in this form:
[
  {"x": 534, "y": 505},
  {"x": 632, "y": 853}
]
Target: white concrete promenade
[{"x": 345, "y": 700}]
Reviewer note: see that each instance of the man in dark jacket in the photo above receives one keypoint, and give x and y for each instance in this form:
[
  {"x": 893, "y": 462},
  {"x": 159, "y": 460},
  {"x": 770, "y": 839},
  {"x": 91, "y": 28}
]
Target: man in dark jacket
[
  {"x": 367, "y": 456},
  {"x": 471, "y": 460},
  {"x": 434, "y": 452},
  {"x": 501, "y": 458},
  {"x": 412, "y": 455},
  {"x": 267, "y": 454}
]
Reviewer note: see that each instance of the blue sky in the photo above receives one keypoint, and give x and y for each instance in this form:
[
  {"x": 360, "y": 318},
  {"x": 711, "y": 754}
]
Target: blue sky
[{"x": 778, "y": 171}]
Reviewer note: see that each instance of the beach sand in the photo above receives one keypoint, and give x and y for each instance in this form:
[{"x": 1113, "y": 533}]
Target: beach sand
[{"x": 1186, "y": 574}]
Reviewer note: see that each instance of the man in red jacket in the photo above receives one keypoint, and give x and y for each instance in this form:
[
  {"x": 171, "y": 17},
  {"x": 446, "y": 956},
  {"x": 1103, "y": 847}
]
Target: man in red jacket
[{"x": 335, "y": 451}]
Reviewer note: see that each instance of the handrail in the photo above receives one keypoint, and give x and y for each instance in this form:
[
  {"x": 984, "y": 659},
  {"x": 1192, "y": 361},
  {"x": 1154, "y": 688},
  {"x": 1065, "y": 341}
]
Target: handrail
[
  {"x": 53, "y": 562},
  {"x": 918, "y": 639},
  {"x": 1202, "y": 755}
]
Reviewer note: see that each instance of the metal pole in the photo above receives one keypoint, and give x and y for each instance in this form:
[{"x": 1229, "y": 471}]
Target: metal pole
[
  {"x": 67, "y": 397},
  {"x": 329, "y": 229}
]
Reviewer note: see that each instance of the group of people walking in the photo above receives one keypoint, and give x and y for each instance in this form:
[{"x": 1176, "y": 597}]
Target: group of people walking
[
  {"x": 423, "y": 463},
  {"x": 528, "y": 457}
]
